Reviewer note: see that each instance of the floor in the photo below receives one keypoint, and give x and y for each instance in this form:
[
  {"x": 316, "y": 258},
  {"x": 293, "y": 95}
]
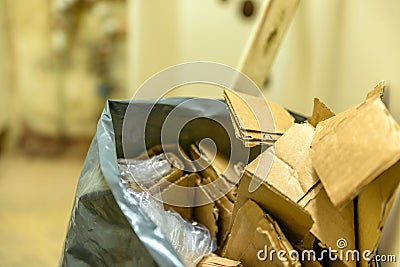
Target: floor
[{"x": 36, "y": 197}]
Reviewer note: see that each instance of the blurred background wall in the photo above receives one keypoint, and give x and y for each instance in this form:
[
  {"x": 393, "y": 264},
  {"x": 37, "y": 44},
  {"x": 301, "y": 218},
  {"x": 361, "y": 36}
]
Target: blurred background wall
[{"x": 62, "y": 59}]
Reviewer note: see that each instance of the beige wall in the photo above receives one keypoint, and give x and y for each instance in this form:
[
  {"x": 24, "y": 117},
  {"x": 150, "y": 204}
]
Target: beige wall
[
  {"x": 165, "y": 33},
  {"x": 338, "y": 50}
]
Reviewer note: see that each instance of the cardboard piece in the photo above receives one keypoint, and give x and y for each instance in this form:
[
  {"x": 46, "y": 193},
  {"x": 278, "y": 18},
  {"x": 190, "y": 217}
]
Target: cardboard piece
[
  {"x": 208, "y": 214},
  {"x": 168, "y": 194},
  {"x": 373, "y": 206},
  {"x": 225, "y": 208},
  {"x": 256, "y": 120},
  {"x": 219, "y": 167},
  {"x": 252, "y": 230},
  {"x": 353, "y": 148},
  {"x": 330, "y": 223},
  {"x": 294, "y": 221},
  {"x": 291, "y": 169},
  {"x": 266, "y": 38},
  {"x": 320, "y": 113},
  {"x": 216, "y": 261},
  {"x": 292, "y": 174}
]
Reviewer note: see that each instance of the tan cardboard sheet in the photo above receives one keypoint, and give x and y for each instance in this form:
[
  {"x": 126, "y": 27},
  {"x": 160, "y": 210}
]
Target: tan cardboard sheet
[
  {"x": 351, "y": 149},
  {"x": 207, "y": 214},
  {"x": 373, "y": 206},
  {"x": 252, "y": 230},
  {"x": 291, "y": 170},
  {"x": 320, "y": 113},
  {"x": 294, "y": 220},
  {"x": 255, "y": 119},
  {"x": 292, "y": 174}
]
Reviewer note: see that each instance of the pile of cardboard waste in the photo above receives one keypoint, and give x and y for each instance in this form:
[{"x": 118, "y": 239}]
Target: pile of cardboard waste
[{"x": 323, "y": 186}]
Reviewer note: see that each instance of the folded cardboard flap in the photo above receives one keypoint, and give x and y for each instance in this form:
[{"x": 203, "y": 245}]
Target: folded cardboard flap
[
  {"x": 373, "y": 206},
  {"x": 294, "y": 220},
  {"x": 351, "y": 149},
  {"x": 253, "y": 231},
  {"x": 255, "y": 119}
]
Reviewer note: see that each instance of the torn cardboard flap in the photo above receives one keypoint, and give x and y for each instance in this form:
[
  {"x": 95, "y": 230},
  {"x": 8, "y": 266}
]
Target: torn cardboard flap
[
  {"x": 320, "y": 113},
  {"x": 351, "y": 149},
  {"x": 331, "y": 224},
  {"x": 294, "y": 220},
  {"x": 255, "y": 119},
  {"x": 373, "y": 206},
  {"x": 291, "y": 170},
  {"x": 253, "y": 230}
]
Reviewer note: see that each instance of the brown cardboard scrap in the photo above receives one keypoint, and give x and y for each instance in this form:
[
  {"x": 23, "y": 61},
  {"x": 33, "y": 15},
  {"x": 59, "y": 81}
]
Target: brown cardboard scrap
[
  {"x": 291, "y": 170},
  {"x": 331, "y": 224},
  {"x": 292, "y": 174},
  {"x": 219, "y": 167},
  {"x": 266, "y": 38},
  {"x": 255, "y": 119},
  {"x": 351, "y": 149},
  {"x": 224, "y": 206},
  {"x": 252, "y": 231},
  {"x": 168, "y": 195},
  {"x": 378, "y": 90},
  {"x": 217, "y": 261},
  {"x": 207, "y": 214},
  {"x": 320, "y": 113},
  {"x": 373, "y": 206},
  {"x": 294, "y": 220}
]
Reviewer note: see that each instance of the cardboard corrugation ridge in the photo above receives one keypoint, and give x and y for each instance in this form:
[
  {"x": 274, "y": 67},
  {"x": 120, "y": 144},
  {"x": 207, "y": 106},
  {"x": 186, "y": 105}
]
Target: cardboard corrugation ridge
[{"x": 351, "y": 149}]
